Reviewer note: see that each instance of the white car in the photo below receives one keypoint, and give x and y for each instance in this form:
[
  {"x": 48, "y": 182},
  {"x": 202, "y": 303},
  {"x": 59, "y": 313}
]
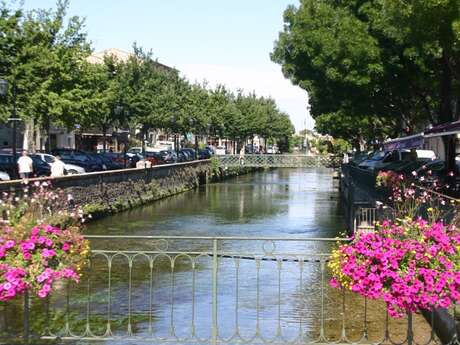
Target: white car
[
  {"x": 4, "y": 176},
  {"x": 272, "y": 149},
  {"x": 381, "y": 159},
  {"x": 71, "y": 169},
  {"x": 220, "y": 151}
]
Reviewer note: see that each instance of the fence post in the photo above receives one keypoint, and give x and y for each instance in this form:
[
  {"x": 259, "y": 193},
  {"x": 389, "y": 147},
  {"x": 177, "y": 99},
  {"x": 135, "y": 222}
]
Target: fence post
[
  {"x": 26, "y": 328},
  {"x": 214, "y": 291},
  {"x": 410, "y": 331}
]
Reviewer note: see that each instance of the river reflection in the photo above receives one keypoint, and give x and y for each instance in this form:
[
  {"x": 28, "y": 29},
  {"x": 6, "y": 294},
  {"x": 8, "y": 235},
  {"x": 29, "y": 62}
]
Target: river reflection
[{"x": 282, "y": 202}]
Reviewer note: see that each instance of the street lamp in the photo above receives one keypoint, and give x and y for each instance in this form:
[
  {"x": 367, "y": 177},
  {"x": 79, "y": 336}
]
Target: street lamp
[{"x": 3, "y": 92}]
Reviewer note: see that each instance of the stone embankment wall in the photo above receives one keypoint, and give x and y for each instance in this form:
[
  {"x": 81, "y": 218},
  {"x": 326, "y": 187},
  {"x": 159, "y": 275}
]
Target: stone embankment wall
[
  {"x": 104, "y": 193},
  {"x": 108, "y": 192}
]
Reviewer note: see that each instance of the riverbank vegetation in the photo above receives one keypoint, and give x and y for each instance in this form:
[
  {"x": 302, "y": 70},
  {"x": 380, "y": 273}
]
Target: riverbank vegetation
[{"x": 44, "y": 57}]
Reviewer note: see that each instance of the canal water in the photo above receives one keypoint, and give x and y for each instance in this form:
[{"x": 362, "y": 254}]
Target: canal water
[
  {"x": 280, "y": 203},
  {"x": 264, "y": 290},
  {"x": 252, "y": 296}
]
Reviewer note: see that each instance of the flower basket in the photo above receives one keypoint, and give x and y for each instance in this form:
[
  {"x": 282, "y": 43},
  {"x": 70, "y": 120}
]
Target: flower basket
[
  {"x": 40, "y": 242},
  {"x": 410, "y": 264}
]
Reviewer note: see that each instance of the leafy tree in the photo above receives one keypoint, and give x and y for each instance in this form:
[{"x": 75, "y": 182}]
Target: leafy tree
[
  {"x": 42, "y": 63},
  {"x": 394, "y": 63},
  {"x": 102, "y": 96}
]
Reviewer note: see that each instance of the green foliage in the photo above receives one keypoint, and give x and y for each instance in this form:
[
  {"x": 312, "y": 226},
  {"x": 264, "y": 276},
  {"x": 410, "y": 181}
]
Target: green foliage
[
  {"x": 374, "y": 67},
  {"x": 44, "y": 55}
]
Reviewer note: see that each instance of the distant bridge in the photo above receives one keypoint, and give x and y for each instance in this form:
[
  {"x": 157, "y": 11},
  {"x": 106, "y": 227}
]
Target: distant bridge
[{"x": 280, "y": 161}]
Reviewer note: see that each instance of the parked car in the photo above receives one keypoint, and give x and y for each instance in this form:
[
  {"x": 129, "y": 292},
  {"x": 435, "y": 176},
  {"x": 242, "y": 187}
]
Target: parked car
[
  {"x": 220, "y": 151},
  {"x": 211, "y": 149},
  {"x": 70, "y": 169},
  {"x": 41, "y": 169},
  {"x": 203, "y": 154},
  {"x": 406, "y": 167},
  {"x": 272, "y": 149},
  {"x": 358, "y": 158},
  {"x": 134, "y": 150},
  {"x": 8, "y": 166},
  {"x": 4, "y": 176},
  {"x": 109, "y": 163},
  {"x": 381, "y": 159},
  {"x": 190, "y": 153},
  {"x": 168, "y": 156},
  {"x": 154, "y": 158},
  {"x": 119, "y": 159},
  {"x": 435, "y": 170},
  {"x": 251, "y": 149},
  {"x": 181, "y": 157},
  {"x": 98, "y": 161},
  {"x": 79, "y": 158}
]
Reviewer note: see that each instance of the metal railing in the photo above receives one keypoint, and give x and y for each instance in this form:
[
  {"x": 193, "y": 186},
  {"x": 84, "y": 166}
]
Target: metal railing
[
  {"x": 365, "y": 220},
  {"x": 280, "y": 161},
  {"x": 210, "y": 290}
]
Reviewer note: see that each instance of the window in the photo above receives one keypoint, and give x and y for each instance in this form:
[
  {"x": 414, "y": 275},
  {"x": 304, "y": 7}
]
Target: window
[
  {"x": 80, "y": 157},
  {"x": 49, "y": 159}
]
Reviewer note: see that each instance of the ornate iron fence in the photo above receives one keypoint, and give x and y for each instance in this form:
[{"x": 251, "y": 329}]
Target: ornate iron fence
[
  {"x": 280, "y": 161},
  {"x": 210, "y": 290}
]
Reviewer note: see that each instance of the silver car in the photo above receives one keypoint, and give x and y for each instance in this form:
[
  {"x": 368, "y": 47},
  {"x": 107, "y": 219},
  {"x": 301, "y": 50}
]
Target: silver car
[
  {"x": 71, "y": 169},
  {"x": 4, "y": 176}
]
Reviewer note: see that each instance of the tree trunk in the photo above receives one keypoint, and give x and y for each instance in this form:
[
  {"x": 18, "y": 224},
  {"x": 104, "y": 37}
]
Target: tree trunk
[
  {"x": 104, "y": 139},
  {"x": 143, "y": 139}
]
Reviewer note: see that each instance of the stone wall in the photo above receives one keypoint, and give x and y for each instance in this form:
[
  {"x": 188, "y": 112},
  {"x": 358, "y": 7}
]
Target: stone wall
[{"x": 108, "y": 192}]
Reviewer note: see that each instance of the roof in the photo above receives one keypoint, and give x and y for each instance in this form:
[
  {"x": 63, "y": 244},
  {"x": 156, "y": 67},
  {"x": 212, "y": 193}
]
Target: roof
[{"x": 118, "y": 54}]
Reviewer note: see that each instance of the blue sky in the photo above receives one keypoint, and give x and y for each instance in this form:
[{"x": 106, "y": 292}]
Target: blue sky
[{"x": 221, "y": 41}]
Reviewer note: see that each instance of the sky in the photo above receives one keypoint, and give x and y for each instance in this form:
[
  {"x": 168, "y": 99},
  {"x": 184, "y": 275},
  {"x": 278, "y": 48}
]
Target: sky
[{"x": 220, "y": 41}]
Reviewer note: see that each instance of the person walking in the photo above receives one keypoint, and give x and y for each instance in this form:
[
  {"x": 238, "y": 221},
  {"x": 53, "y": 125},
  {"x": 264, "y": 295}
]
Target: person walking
[
  {"x": 242, "y": 156},
  {"x": 57, "y": 167},
  {"x": 25, "y": 165}
]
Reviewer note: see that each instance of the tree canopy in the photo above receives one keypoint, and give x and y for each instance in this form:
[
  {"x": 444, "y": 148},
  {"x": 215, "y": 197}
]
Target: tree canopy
[
  {"x": 367, "y": 64},
  {"x": 44, "y": 58}
]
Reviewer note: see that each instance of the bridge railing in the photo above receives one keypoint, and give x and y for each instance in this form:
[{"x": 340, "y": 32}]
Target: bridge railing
[
  {"x": 210, "y": 290},
  {"x": 280, "y": 160}
]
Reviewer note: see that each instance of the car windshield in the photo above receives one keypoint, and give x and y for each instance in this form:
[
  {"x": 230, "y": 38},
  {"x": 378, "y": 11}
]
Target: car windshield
[
  {"x": 378, "y": 155},
  {"x": 48, "y": 159},
  {"x": 37, "y": 160}
]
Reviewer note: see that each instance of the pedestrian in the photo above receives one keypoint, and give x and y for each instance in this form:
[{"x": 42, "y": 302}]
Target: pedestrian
[
  {"x": 57, "y": 167},
  {"x": 242, "y": 156},
  {"x": 25, "y": 165},
  {"x": 143, "y": 164}
]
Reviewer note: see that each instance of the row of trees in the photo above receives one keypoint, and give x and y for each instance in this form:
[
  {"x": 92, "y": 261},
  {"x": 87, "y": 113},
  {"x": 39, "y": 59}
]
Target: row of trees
[
  {"x": 374, "y": 68},
  {"x": 44, "y": 59}
]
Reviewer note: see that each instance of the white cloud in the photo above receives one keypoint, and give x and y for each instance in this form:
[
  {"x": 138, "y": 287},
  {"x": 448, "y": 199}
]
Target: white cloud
[{"x": 265, "y": 80}]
